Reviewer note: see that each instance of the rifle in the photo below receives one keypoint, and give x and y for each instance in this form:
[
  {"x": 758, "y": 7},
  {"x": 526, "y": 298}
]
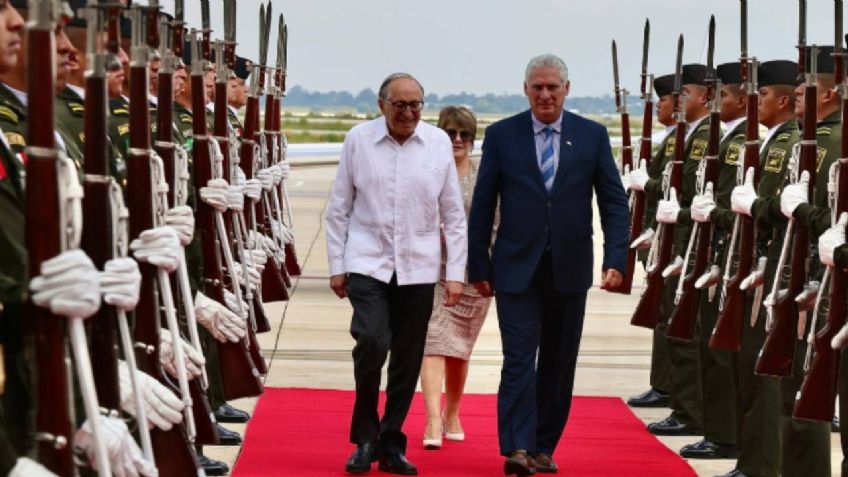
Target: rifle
[
  {"x": 292, "y": 265},
  {"x": 168, "y": 150},
  {"x": 727, "y": 334},
  {"x": 682, "y": 321},
  {"x": 784, "y": 321},
  {"x": 648, "y": 309},
  {"x": 240, "y": 376},
  {"x": 181, "y": 459},
  {"x": 52, "y": 225},
  {"x": 815, "y": 400},
  {"x": 626, "y": 165}
]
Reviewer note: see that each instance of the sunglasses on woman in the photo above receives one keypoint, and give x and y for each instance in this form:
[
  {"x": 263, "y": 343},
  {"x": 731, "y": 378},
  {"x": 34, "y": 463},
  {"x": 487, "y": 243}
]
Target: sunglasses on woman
[{"x": 463, "y": 134}]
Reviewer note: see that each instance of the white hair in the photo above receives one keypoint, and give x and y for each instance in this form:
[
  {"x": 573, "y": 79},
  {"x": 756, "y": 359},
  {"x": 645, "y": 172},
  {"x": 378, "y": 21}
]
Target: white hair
[{"x": 547, "y": 61}]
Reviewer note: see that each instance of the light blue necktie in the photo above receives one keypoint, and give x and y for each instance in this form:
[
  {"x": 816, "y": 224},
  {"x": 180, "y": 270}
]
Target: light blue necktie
[{"x": 547, "y": 162}]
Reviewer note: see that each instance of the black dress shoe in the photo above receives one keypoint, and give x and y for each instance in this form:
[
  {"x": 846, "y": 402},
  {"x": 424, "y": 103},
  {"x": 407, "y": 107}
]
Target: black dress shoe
[
  {"x": 213, "y": 467},
  {"x": 228, "y": 437},
  {"x": 363, "y": 456},
  {"x": 834, "y": 425},
  {"x": 705, "y": 449},
  {"x": 672, "y": 427},
  {"x": 520, "y": 464},
  {"x": 227, "y": 413},
  {"x": 650, "y": 398},
  {"x": 545, "y": 464},
  {"x": 396, "y": 463}
]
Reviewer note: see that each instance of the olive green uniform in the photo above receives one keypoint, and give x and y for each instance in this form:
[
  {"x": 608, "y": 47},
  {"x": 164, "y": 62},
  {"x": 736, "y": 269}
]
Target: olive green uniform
[
  {"x": 717, "y": 366},
  {"x": 660, "y": 359}
]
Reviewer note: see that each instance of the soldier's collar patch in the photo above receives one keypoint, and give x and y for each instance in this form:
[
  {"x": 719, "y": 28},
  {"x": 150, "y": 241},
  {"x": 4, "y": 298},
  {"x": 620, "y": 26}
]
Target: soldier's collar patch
[
  {"x": 76, "y": 108},
  {"x": 9, "y": 114},
  {"x": 824, "y": 131},
  {"x": 121, "y": 112}
]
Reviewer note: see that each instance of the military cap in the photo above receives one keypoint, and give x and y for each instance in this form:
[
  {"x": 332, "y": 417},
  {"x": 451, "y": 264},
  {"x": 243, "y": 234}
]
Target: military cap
[
  {"x": 664, "y": 85},
  {"x": 242, "y": 69},
  {"x": 730, "y": 73},
  {"x": 824, "y": 60},
  {"x": 694, "y": 74},
  {"x": 777, "y": 72}
]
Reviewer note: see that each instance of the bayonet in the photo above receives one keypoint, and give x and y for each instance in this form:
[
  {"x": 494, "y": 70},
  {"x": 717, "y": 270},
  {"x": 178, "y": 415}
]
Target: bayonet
[
  {"x": 285, "y": 47},
  {"x": 838, "y": 50},
  {"x": 645, "y": 88},
  {"x": 178, "y": 28},
  {"x": 802, "y": 36},
  {"x": 743, "y": 56},
  {"x": 281, "y": 44},
  {"x": 678, "y": 66},
  {"x": 263, "y": 37},
  {"x": 711, "y": 49},
  {"x": 615, "y": 77},
  {"x": 230, "y": 34},
  {"x": 267, "y": 31},
  {"x": 206, "y": 30}
]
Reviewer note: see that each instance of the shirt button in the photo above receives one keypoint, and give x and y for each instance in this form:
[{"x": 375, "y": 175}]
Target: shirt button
[{"x": 549, "y": 203}]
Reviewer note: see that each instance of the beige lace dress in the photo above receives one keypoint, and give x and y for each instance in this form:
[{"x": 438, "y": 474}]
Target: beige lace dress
[{"x": 453, "y": 331}]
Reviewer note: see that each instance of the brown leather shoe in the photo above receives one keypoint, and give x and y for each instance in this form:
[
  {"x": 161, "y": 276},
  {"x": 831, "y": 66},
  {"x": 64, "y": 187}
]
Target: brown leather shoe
[
  {"x": 545, "y": 464},
  {"x": 520, "y": 464}
]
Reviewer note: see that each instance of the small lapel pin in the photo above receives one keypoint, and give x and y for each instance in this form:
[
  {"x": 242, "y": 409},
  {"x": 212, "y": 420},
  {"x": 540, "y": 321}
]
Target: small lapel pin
[{"x": 568, "y": 142}]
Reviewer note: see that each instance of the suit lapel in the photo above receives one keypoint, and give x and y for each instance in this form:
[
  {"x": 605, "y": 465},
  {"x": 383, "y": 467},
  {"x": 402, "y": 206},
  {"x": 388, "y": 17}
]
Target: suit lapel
[
  {"x": 527, "y": 145},
  {"x": 566, "y": 151}
]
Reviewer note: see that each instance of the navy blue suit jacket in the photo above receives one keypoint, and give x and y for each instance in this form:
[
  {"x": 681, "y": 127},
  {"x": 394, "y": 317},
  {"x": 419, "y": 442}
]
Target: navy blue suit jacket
[{"x": 531, "y": 217}]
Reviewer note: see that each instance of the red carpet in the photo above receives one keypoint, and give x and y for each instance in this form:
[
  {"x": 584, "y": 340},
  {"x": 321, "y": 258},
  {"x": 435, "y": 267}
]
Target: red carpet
[{"x": 304, "y": 433}]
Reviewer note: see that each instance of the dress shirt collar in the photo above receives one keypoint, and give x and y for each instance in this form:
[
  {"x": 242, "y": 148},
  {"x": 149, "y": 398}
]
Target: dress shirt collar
[
  {"x": 731, "y": 125},
  {"x": 154, "y": 100},
  {"x": 769, "y": 135},
  {"x": 693, "y": 126},
  {"x": 19, "y": 95},
  {"x": 76, "y": 89},
  {"x": 539, "y": 126},
  {"x": 381, "y": 132}
]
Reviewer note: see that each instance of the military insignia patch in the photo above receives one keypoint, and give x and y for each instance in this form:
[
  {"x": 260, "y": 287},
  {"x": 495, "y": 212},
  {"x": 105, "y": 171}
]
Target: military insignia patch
[
  {"x": 9, "y": 114},
  {"x": 669, "y": 147},
  {"x": 774, "y": 159},
  {"x": 16, "y": 139},
  {"x": 732, "y": 156},
  {"x": 123, "y": 129},
  {"x": 121, "y": 112},
  {"x": 820, "y": 153},
  {"x": 76, "y": 108},
  {"x": 699, "y": 149}
]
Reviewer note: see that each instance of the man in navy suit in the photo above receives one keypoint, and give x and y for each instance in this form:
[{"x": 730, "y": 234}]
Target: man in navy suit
[{"x": 543, "y": 165}]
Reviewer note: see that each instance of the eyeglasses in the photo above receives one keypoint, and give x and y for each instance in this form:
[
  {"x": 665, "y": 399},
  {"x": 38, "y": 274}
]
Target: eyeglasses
[
  {"x": 411, "y": 105},
  {"x": 466, "y": 136}
]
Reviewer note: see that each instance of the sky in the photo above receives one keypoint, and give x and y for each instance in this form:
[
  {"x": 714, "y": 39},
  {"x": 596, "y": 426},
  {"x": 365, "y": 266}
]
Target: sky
[{"x": 481, "y": 47}]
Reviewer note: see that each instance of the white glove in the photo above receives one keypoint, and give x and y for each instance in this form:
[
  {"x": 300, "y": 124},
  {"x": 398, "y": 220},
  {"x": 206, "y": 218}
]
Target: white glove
[
  {"x": 639, "y": 177},
  {"x": 163, "y": 408},
  {"x": 26, "y": 467},
  {"x": 667, "y": 210},
  {"x": 181, "y": 219},
  {"x": 710, "y": 278},
  {"x": 253, "y": 278},
  {"x": 253, "y": 189},
  {"x": 240, "y": 178},
  {"x": 703, "y": 205},
  {"x": 283, "y": 232},
  {"x": 235, "y": 198},
  {"x": 643, "y": 241},
  {"x": 625, "y": 178},
  {"x": 233, "y": 304},
  {"x": 194, "y": 360},
  {"x": 215, "y": 194},
  {"x": 832, "y": 239},
  {"x": 839, "y": 341},
  {"x": 120, "y": 283},
  {"x": 159, "y": 247},
  {"x": 674, "y": 268},
  {"x": 277, "y": 173},
  {"x": 807, "y": 298},
  {"x": 794, "y": 195},
  {"x": 742, "y": 198},
  {"x": 125, "y": 457},
  {"x": 221, "y": 322},
  {"x": 258, "y": 257},
  {"x": 284, "y": 168},
  {"x": 69, "y": 285},
  {"x": 266, "y": 178}
]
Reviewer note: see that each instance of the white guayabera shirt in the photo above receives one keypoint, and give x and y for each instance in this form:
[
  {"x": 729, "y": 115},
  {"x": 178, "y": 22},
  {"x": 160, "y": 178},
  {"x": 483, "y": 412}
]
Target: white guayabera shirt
[{"x": 388, "y": 202}]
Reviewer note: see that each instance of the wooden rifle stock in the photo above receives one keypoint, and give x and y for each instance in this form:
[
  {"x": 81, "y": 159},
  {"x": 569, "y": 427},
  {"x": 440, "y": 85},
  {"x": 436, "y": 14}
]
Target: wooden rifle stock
[
  {"x": 727, "y": 334},
  {"x": 239, "y": 375},
  {"x": 648, "y": 310},
  {"x": 682, "y": 322},
  {"x": 53, "y": 419},
  {"x": 778, "y": 350}
]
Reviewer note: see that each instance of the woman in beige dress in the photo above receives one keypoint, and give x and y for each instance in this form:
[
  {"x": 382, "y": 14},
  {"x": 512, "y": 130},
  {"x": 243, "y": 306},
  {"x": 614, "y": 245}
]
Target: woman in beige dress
[{"x": 452, "y": 331}]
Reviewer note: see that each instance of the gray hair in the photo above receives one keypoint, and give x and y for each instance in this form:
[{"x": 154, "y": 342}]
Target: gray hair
[
  {"x": 384, "y": 88},
  {"x": 547, "y": 61}
]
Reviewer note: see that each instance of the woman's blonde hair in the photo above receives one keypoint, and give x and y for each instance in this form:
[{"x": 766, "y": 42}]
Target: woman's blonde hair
[{"x": 459, "y": 115}]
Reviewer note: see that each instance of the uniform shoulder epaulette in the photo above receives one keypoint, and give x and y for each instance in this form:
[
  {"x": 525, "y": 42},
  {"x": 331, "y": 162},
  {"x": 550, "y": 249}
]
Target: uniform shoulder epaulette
[
  {"x": 703, "y": 127},
  {"x": 186, "y": 118},
  {"x": 15, "y": 139},
  {"x": 738, "y": 136},
  {"x": 824, "y": 131},
  {"x": 76, "y": 108},
  {"x": 121, "y": 112},
  {"x": 783, "y": 137},
  {"x": 9, "y": 114}
]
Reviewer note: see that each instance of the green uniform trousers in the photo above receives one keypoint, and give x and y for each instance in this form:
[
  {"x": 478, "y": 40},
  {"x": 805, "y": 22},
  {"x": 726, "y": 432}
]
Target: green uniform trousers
[
  {"x": 685, "y": 368},
  {"x": 717, "y": 378}
]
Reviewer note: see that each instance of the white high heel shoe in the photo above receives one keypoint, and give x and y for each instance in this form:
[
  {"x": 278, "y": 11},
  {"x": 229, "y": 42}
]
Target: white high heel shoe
[
  {"x": 432, "y": 443},
  {"x": 455, "y": 436}
]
